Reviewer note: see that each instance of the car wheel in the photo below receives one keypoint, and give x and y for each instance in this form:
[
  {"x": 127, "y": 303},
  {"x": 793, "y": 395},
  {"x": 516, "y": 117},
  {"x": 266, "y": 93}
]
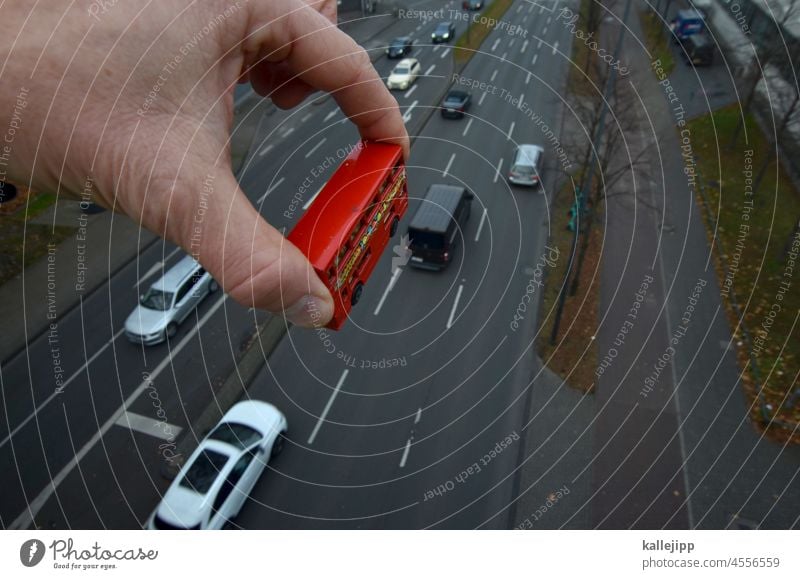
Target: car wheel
[
  {"x": 277, "y": 446},
  {"x": 172, "y": 329},
  {"x": 213, "y": 286},
  {"x": 357, "y": 293},
  {"x": 393, "y": 227}
]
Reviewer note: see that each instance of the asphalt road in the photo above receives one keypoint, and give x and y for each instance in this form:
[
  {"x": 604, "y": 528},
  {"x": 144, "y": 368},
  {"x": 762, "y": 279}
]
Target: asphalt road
[
  {"x": 428, "y": 377},
  {"x": 90, "y": 454}
]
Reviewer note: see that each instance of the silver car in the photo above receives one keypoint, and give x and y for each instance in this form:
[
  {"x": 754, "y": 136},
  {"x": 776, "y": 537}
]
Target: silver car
[
  {"x": 168, "y": 301},
  {"x": 525, "y": 165}
]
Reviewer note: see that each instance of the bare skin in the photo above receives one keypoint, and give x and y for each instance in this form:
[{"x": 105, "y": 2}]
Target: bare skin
[{"x": 132, "y": 103}]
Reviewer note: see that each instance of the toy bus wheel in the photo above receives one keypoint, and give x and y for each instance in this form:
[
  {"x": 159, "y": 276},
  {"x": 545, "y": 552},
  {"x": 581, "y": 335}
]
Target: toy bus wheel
[
  {"x": 393, "y": 228},
  {"x": 357, "y": 293}
]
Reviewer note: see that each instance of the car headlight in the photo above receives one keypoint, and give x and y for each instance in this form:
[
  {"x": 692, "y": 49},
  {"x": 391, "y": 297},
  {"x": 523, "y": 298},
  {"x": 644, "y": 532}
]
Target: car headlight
[{"x": 447, "y": 35}]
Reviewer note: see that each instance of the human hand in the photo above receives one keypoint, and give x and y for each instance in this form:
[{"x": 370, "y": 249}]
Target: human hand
[{"x": 133, "y": 104}]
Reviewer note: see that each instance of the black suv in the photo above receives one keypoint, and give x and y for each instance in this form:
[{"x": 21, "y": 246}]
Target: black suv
[
  {"x": 399, "y": 47},
  {"x": 456, "y": 103},
  {"x": 444, "y": 32}
]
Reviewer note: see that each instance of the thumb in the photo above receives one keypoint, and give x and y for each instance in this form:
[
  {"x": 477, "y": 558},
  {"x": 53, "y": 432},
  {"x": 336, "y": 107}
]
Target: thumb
[{"x": 249, "y": 258}]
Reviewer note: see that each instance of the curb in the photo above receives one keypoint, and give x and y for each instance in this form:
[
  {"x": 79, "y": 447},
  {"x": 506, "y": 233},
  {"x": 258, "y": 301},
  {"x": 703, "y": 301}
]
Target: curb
[{"x": 264, "y": 341}]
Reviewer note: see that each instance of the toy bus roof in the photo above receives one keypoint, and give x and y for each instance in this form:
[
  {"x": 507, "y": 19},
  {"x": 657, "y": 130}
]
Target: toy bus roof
[
  {"x": 436, "y": 211},
  {"x": 340, "y": 203}
]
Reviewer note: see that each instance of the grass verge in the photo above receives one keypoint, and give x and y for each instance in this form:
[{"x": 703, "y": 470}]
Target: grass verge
[
  {"x": 24, "y": 242},
  {"x": 770, "y": 313},
  {"x": 657, "y": 40},
  {"x": 470, "y": 41},
  {"x": 574, "y": 355}
]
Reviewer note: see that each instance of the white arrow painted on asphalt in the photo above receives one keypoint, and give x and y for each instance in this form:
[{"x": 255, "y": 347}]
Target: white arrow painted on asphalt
[{"x": 407, "y": 114}]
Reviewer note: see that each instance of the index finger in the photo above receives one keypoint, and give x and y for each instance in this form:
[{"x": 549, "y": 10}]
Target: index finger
[{"x": 327, "y": 59}]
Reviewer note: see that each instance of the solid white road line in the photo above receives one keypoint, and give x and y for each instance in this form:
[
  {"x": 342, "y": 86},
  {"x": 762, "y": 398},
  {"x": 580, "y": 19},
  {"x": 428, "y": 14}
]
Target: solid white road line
[
  {"x": 389, "y": 287},
  {"x": 310, "y": 201},
  {"x": 480, "y": 225},
  {"x": 327, "y": 407},
  {"x": 404, "y": 458},
  {"x": 69, "y": 380},
  {"x": 555, "y": 47},
  {"x": 449, "y": 164},
  {"x": 315, "y": 147},
  {"x": 149, "y": 426},
  {"x": 330, "y": 115},
  {"x": 410, "y": 91},
  {"x": 26, "y": 517},
  {"x": 469, "y": 124},
  {"x": 265, "y": 150},
  {"x": 511, "y": 129},
  {"x": 455, "y": 305},
  {"x": 157, "y": 266},
  {"x": 419, "y": 416},
  {"x": 407, "y": 114},
  {"x": 497, "y": 173},
  {"x": 430, "y": 69},
  {"x": 445, "y": 52},
  {"x": 274, "y": 186}
]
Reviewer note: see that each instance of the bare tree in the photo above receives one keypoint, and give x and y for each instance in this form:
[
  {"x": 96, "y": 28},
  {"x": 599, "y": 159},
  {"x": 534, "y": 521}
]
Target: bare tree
[{"x": 606, "y": 152}]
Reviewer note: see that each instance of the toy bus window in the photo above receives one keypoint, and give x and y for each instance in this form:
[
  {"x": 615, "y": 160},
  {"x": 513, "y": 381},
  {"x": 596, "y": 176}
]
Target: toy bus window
[
  {"x": 332, "y": 272},
  {"x": 363, "y": 259}
]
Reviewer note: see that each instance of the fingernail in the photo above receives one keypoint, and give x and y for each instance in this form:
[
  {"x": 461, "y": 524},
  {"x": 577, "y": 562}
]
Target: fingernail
[{"x": 309, "y": 312}]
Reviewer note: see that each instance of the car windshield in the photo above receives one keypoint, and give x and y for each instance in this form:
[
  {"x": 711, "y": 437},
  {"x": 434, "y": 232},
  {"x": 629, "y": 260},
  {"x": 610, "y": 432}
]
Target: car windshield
[
  {"x": 156, "y": 299},
  {"x": 235, "y": 434},
  {"x": 443, "y": 28},
  {"x": 204, "y": 471},
  {"x": 398, "y": 43},
  {"x": 455, "y": 97},
  {"x": 401, "y": 70}
]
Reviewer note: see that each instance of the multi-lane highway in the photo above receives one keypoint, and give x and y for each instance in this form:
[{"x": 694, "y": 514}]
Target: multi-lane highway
[
  {"x": 424, "y": 384},
  {"x": 397, "y": 420}
]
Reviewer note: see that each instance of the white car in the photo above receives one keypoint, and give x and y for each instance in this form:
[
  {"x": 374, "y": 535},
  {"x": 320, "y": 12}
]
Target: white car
[
  {"x": 404, "y": 74},
  {"x": 168, "y": 302},
  {"x": 214, "y": 483}
]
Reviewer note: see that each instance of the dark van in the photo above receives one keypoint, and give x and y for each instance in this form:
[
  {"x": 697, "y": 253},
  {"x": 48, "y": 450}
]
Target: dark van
[
  {"x": 699, "y": 50},
  {"x": 433, "y": 234}
]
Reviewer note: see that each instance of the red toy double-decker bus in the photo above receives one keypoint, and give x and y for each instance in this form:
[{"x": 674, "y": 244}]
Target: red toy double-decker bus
[{"x": 345, "y": 230}]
